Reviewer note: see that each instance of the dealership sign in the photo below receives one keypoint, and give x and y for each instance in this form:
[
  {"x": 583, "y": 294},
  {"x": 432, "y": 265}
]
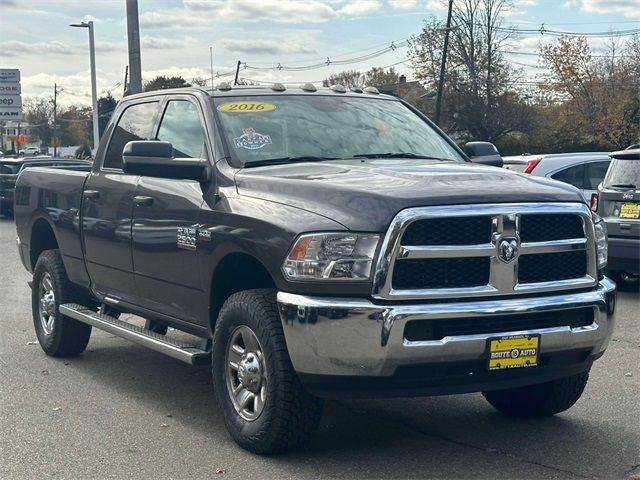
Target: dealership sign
[{"x": 10, "y": 94}]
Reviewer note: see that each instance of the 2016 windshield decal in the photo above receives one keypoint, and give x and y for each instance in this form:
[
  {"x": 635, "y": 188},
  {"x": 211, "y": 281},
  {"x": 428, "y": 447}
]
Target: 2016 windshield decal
[
  {"x": 246, "y": 107},
  {"x": 251, "y": 140}
]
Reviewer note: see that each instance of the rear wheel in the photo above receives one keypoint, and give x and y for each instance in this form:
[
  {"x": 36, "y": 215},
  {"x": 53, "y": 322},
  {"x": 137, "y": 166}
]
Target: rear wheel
[
  {"x": 266, "y": 409},
  {"x": 540, "y": 400},
  {"x": 59, "y": 336}
]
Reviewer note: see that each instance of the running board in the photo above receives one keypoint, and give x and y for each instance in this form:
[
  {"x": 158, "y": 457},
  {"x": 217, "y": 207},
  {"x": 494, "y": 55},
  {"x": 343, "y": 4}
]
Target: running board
[{"x": 176, "y": 349}]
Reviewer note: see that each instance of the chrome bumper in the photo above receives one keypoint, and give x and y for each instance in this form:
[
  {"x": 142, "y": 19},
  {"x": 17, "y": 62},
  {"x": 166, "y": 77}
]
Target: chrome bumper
[{"x": 355, "y": 337}]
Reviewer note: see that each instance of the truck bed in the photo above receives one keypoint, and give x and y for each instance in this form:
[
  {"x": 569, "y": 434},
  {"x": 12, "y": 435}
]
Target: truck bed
[{"x": 52, "y": 198}]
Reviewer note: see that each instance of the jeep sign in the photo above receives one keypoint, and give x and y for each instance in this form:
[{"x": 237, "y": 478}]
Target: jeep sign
[{"x": 10, "y": 94}]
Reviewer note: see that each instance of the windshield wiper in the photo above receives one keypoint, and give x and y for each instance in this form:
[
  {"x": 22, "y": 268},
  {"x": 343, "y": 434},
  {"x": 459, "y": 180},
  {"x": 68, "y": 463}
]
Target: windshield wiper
[
  {"x": 285, "y": 160},
  {"x": 398, "y": 155},
  {"x": 622, "y": 185}
]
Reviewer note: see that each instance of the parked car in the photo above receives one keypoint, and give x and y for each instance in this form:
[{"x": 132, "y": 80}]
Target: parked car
[
  {"x": 584, "y": 170},
  {"x": 315, "y": 246},
  {"x": 519, "y": 163},
  {"x": 618, "y": 202},
  {"x": 10, "y": 168},
  {"x": 29, "y": 151}
]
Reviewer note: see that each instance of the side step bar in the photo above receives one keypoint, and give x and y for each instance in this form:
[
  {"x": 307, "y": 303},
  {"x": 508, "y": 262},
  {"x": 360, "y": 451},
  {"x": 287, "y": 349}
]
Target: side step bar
[{"x": 178, "y": 350}]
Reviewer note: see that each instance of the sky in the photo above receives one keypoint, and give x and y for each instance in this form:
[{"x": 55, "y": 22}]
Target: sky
[{"x": 176, "y": 36}]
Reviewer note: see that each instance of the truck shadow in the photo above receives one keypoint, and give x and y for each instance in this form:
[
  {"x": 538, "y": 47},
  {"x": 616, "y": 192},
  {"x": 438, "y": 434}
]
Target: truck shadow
[{"x": 457, "y": 436}]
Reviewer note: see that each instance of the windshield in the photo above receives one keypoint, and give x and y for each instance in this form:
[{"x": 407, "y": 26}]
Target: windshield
[
  {"x": 623, "y": 172},
  {"x": 286, "y": 127}
]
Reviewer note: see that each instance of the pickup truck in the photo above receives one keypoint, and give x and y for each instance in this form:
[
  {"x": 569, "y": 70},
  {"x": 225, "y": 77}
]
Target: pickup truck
[{"x": 317, "y": 243}]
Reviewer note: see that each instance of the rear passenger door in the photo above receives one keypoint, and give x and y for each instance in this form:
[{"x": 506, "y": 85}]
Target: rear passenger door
[
  {"x": 107, "y": 206},
  {"x": 165, "y": 221}
]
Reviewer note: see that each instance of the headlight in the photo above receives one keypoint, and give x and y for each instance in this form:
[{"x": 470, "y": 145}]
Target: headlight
[
  {"x": 331, "y": 256},
  {"x": 602, "y": 247}
]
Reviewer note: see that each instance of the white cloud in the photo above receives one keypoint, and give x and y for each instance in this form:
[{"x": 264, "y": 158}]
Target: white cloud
[
  {"x": 360, "y": 7},
  {"x": 265, "y": 46},
  {"x": 166, "y": 43},
  {"x": 629, "y": 8},
  {"x": 203, "y": 13},
  {"x": 403, "y": 4},
  {"x": 15, "y": 48}
]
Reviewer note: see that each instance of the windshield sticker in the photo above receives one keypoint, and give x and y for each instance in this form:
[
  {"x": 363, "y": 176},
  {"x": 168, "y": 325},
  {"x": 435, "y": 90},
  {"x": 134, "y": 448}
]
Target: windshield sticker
[
  {"x": 246, "y": 107},
  {"x": 251, "y": 140}
]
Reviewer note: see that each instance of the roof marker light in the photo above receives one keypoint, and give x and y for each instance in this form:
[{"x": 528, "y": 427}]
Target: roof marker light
[
  {"x": 224, "y": 86},
  {"x": 371, "y": 90},
  {"x": 338, "y": 88},
  {"x": 309, "y": 87},
  {"x": 278, "y": 87}
]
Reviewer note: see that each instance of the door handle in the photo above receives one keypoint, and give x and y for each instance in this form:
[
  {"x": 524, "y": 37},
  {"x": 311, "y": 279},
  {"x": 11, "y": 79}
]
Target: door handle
[
  {"x": 92, "y": 194},
  {"x": 143, "y": 201}
]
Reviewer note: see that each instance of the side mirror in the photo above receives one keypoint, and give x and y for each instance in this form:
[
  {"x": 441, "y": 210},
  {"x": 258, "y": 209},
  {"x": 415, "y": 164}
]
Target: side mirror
[
  {"x": 152, "y": 158},
  {"x": 483, "y": 152}
]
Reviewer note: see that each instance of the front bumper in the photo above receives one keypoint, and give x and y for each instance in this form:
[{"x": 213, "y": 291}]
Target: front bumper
[{"x": 355, "y": 338}]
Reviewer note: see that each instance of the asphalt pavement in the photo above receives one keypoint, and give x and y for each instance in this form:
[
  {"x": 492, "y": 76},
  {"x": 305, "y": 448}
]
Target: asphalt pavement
[{"x": 122, "y": 411}]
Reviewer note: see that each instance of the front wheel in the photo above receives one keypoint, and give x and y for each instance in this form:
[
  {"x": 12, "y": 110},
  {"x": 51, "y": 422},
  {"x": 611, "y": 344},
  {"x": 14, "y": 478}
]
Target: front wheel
[
  {"x": 59, "y": 336},
  {"x": 265, "y": 408},
  {"x": 540, "y": 400}
]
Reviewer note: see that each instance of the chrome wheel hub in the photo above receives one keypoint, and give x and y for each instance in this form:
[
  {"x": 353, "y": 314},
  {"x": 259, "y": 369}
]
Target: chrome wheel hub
[
  {"x": 47, "y": 303},
  {"x": 246, "y": 373}
]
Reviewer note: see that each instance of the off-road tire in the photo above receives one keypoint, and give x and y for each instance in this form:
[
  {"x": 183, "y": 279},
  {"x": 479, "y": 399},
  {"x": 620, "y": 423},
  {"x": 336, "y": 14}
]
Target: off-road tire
[
  {"x": 540, "y": 400},
  {"x": 291, "y": 415},
  {"x": 67, "y": 337}
]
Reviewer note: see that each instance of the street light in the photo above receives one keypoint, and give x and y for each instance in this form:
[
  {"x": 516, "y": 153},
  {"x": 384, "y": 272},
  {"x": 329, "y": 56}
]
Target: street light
[{"x": 94, "y": 96}]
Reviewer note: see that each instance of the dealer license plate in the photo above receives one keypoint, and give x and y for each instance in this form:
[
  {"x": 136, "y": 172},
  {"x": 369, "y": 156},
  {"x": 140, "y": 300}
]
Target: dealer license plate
[
  {"x": 513, "y": 351},
  {"x": 630, "y": 210}
]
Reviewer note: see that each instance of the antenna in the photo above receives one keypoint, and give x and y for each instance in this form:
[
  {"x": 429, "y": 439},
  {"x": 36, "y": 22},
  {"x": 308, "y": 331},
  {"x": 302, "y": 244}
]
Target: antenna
[{"x": 211, "y": 58}]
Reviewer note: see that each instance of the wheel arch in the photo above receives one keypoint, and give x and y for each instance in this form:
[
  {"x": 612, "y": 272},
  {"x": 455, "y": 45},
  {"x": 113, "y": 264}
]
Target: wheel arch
[
  {"x": 235, "y": 272},
  {"x": 42, "y": 237}
]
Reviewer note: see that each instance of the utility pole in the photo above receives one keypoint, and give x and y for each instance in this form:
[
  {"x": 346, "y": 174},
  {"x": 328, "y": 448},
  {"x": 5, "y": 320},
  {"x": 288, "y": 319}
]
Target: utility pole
[
  {"x": 443, "y": 66},
  {"x": 235, "y": 82},
  {"x": 133, "y": 35},
  {"x": 55, "y": 119}
]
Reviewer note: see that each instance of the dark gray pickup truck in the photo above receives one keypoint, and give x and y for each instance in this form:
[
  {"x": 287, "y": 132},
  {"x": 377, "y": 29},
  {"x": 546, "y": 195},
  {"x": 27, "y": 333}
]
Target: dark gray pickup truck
[{"x": 317, "y": 243}]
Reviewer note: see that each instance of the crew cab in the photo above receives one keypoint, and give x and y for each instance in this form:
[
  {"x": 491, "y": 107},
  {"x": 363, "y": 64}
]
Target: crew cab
[{"x": 317, "y": 243}]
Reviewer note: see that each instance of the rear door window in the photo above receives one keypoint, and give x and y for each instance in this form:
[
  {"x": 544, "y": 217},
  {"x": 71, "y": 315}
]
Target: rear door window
[
  {"x": 136, "y": 123},
  {"x": 181, "y": 127},
  {"x": 572, "y": 175},
  {"x": 594, "y": 174},
  {"x": 624, "y": 172}
]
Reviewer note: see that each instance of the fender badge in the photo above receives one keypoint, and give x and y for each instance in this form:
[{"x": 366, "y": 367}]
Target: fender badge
[{"x": 187, "y": 238}]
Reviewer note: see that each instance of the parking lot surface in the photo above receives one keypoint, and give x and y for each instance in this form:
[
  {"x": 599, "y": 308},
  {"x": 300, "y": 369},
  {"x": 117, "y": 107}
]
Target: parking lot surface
[{"x": 121, "y": 411}]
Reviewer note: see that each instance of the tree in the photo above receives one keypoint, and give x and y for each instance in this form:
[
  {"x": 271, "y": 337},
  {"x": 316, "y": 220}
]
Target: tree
[
  {"x": 199, "y": 82},
  {"x": 599, "y": 96},
  {"x": 106, "y": 106},
  {"x": 347, "y": 78},
  {"x": 38, "y": 113},
  {"x": 380, "y": 76},
  {"x": 84, "y": 151},
  {"x": 74, "y": 126},
  {"x": 479, "y": 100},
  {"x": 162, "y": 82}
]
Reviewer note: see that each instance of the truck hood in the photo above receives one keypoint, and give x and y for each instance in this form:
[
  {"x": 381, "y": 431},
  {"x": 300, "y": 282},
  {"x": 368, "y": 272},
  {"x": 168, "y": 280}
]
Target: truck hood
[{"x": 365, "y": 195}]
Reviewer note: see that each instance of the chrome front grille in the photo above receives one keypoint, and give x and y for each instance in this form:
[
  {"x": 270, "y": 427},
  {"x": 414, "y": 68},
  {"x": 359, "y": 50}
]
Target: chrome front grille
[{"x": 486, "y": 250}]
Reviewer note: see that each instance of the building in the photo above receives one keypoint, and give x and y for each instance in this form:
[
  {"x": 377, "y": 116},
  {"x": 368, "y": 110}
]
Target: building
[{"x": 12, "y": 130}]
